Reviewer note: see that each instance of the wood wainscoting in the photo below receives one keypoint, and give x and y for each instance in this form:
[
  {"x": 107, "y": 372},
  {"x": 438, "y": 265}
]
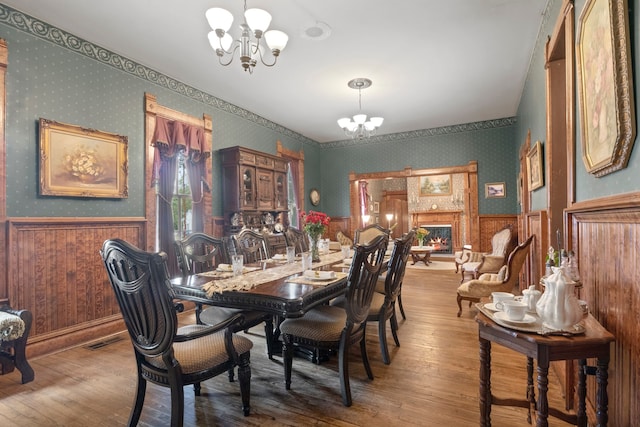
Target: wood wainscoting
[
  {"x": 338, "y": 223},
  {"x": 55, "y": 270},
  {"x": 605, "y": 235}
]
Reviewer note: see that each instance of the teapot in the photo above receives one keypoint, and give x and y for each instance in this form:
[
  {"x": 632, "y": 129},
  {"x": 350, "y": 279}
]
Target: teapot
[
  {"x": 530, "y": 297},
  {"x": 558, "y": 306}
]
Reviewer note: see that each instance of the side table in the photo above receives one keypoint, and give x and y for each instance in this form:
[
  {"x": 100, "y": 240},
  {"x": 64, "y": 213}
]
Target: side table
[
  {"x": 595, "y": 342},
  {"x": 421, "y": 253}
]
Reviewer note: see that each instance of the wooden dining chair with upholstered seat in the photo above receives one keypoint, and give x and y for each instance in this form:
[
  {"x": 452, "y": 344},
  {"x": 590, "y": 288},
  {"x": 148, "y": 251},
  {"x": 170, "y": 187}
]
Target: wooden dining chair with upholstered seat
[
  {"x": 199, "y": 253},
  {"x": 253, "y": 246},
  {"x": 297, "y": 239},
  {"x": 338, "y": 328},
  {"x": 383, "y": 305},
  {"x": 165, "y": 354},
  {"x": 503, "y": 281}
]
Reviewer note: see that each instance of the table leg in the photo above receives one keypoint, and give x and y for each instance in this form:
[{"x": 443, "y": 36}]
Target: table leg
[
  {"x": 581, "y": 420},
  {"x": 485, "y": 383},
  {"x": 543, "y": 386},
  {"x": 531, "y": 393},
  {"x": 602, "y": 399}
]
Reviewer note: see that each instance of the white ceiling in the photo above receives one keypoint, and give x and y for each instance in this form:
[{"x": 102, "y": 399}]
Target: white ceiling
[{"x": 433, "y": 62}]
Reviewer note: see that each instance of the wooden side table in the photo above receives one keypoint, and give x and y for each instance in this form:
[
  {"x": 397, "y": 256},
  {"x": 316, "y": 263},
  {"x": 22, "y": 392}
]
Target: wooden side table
[
  {"x": 595, "y": 342},
  {"x": 421, "y": 253}
]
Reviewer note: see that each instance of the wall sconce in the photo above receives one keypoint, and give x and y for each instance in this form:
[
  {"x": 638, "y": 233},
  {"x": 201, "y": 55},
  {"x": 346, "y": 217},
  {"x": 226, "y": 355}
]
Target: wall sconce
[{"x": 457, "y": 199}]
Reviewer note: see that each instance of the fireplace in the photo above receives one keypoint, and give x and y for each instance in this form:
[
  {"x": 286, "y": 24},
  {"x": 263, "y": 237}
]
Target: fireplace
[{"x": 440, "y": 236}]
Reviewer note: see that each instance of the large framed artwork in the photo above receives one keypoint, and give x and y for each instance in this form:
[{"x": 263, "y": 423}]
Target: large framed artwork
[
  {"x": 534, "y": 167},
  {"x": 435, "y": 185},
  {"x": 80, "y": 162},
  {"x": 607, "y": 111}
]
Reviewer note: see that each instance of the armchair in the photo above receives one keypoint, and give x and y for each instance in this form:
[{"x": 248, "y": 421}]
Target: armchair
[
  {"x": 504, "y": 281},
  {"x": 502, "y": 243},
  {"x": 462, "y": 256}
]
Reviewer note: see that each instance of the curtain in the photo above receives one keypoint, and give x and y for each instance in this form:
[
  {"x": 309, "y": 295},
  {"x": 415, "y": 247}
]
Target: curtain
[
  {"x": 171, "y": 138},
  {"x": 294, "y": 167}
]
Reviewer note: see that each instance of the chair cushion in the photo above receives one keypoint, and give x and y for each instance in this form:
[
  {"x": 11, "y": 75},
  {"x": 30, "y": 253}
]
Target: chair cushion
[
  {"x": 323, "y": 323},
  {"x": 202, "y": 353},
  {"x": 343, "y": 240},
  {"x": 380, "y": 283},
  {"x": 11, "y": 326},
  {"x": 376, "y": 302}
]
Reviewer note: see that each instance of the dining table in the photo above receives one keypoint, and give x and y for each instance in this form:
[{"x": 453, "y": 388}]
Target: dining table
[{"x": 272, "y": 286}]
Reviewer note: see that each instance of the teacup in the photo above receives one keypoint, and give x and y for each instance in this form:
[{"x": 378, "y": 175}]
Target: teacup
[
  {"x": 501, "y": 296},
  {"x": 515, "y": 310}
]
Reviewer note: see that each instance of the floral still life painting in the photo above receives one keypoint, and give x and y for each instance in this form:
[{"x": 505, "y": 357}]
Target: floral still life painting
[{"x": 80, "y": 162}]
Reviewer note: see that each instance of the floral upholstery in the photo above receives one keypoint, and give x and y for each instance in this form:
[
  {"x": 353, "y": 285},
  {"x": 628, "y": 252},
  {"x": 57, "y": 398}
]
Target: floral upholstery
[{"x": 343, "y": 239}]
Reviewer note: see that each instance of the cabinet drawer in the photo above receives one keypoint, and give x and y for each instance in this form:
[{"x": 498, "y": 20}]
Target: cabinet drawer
[
  {"x": 264, "y": 162},
  {"x": 247, "y": 158},
  {"x": 280, "y": 165}
]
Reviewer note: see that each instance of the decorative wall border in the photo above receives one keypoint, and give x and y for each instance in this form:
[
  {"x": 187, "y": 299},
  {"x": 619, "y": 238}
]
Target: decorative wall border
[{"x": 45, "y": 31}]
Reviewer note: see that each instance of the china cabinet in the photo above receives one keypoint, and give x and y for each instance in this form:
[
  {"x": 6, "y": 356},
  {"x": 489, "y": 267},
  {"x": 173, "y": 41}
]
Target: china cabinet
[{"x": 254, "y": 189}]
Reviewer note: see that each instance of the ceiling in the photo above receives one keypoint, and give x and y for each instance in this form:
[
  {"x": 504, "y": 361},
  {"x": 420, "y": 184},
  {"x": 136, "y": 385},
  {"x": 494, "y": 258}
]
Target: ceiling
[{"x": 432, "y": 62}]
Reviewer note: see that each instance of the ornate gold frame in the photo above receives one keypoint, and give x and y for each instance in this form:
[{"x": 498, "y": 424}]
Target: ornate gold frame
[
  {"x": 535, "y": 172},
  {"x": 80, "y": 162},
  {"x": 606, "y": 86}
]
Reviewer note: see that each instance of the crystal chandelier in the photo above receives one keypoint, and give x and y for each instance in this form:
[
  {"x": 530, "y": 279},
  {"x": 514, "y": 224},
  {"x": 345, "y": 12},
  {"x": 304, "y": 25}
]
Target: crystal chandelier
[
  {"x": 360, "y": 127},
  {"x": 256, "y": 22}
]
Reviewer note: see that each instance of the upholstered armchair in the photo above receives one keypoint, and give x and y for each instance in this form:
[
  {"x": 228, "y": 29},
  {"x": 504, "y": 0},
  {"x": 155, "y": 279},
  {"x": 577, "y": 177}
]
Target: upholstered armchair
[
  {"x": 502, "y": 243},
  {"x": 503, "y": 281},
  {"x": 343, "y": 239},
  {"x": 460, "y": 257}
]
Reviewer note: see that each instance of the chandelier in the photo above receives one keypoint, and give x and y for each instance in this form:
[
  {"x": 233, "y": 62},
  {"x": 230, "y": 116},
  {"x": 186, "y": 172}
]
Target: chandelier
[
  {"x": 360, "y": 127},
  {"x": 256, "y": 22}
]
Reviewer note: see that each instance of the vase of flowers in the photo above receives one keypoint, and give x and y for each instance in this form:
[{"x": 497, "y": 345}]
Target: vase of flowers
[
  {"x": 314, "y": 223},
  {"x": 421, "y": 233}
]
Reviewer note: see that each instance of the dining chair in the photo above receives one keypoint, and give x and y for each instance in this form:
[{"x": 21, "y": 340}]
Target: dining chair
[
  {"x": 297, "y": 239},
  {"x": 165, "y": 354},
  {"x": 337, "y": 328},
  {"x": 200, "y": 252},
  {"x": 253, "y": 246},
  {"x": 368, "y": 233},
  {"x": 383, "y": 305}
]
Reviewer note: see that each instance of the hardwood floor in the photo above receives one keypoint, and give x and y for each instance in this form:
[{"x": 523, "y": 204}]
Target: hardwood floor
[{"x": 432, "y": 379}]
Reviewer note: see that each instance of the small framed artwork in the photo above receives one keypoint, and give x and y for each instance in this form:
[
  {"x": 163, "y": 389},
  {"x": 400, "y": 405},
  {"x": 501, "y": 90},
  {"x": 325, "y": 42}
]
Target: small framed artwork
[
  {"x": 535, "y": 172},
  {"x": 495, "y": 190},
  {"x": 80, "y": 162},
  {"x": 376, "y": 207},
  {"x": 604, "y": 64},
  {"x": 435, "y": 185}
]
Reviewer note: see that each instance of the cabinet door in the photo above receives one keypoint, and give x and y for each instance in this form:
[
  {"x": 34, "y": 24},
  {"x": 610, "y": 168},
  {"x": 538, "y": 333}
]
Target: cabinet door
[
  {"x": 280, "y": 193},
  {"x": 248, "y": 185},
  {"x": 265, "y": 189}
]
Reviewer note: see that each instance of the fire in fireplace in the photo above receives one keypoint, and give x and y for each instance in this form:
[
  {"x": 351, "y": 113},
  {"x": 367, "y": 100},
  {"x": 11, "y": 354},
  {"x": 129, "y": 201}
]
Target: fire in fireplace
[{"x": 440, "y": 235}]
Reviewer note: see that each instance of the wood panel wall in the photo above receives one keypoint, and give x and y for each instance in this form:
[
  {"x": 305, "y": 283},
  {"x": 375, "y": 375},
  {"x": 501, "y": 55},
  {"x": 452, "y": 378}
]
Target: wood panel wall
[
  {"x": 338, "y": 223},
  {"x": 55, "y": 270},
  {"x": 605, "y": 235},
  {"x": 490, "y": 225}
]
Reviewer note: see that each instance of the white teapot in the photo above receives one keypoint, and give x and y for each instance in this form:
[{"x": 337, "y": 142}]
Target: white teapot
[{"x": 558, "y": 306}]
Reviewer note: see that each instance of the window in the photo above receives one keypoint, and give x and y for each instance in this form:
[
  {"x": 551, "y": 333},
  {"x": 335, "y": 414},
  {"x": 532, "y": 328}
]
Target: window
[
  {"x": 181, "y": 203},
  {"x": 291, "y": 197}
]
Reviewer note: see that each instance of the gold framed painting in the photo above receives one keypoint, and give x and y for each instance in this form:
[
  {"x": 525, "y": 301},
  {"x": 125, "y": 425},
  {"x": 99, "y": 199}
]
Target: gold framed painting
[
  {"x": 607, "y": 111},
  {"x": 80, "y": 162},
  {"x": 435, "y": 185},
  {"x": 495, "y": 190},
  {"x": 535, "y": 172}
]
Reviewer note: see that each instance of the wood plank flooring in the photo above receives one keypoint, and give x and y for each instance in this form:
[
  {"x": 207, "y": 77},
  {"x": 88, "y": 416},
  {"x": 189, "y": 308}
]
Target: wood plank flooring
[{"x": 432, "y": 379}]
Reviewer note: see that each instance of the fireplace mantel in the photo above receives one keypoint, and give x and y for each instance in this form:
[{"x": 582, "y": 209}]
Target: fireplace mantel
[{"x": 441, "y": 217}]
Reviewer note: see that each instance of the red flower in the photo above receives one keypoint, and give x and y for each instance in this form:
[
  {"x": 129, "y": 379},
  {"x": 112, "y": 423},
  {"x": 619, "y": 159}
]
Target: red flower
[{"x": 314, "y": 222}]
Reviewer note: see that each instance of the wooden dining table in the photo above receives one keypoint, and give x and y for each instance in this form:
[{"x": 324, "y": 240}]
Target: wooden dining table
[{"x": 283, "y": 297}]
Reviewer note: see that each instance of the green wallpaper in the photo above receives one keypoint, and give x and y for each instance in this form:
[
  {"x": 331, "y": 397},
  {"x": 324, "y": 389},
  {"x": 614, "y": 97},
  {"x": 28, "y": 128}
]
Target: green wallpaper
[
  {"x": 492, "y": 147},
  {"x": 531, "y": 115}
]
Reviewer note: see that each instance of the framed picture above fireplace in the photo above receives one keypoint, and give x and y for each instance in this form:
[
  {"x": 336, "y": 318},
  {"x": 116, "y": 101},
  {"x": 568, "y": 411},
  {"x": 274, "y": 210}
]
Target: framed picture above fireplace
[{"x": 435, "y": 185}]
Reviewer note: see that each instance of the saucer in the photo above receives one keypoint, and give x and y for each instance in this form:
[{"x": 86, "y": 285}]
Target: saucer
[
  {"x": 501, "y": 315},
  {"x": 491, "y": 306}
]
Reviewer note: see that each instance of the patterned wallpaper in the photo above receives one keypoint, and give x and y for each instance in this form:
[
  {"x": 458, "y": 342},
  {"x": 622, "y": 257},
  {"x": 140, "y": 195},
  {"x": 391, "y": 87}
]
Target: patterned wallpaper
[{"x": 55, "y": 75}]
